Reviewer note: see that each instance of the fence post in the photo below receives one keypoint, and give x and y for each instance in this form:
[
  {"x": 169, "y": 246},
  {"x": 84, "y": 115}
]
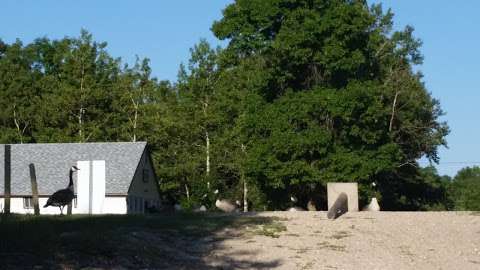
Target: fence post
[
  {"x": 33, "y": 179},
  {"x": 69, "y": 208},
  {"x": 8, "y": 167}
]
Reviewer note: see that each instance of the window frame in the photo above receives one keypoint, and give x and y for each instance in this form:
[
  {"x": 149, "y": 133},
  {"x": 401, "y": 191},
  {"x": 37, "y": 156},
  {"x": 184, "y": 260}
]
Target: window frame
[{"x": 28, "y": 203}]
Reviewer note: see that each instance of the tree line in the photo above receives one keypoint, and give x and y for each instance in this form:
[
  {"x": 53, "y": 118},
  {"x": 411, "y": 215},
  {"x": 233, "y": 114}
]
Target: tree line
[{"x": 305, "y": 93}]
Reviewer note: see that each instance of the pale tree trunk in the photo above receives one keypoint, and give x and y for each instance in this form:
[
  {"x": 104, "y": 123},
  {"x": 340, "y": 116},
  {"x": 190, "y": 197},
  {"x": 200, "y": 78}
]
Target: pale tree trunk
[
  {"x": 207, "y": 150},
  {"x": 82, "y": 109},
  {"x": 187, "y": 192},
  {"x": 393, "y": 111},
  {"x": 80, "y": 124},
  {"x": 245, "y": 187},
  {"x": 20, "y": 131},
  {"x": 207, "y": 144},
  {"x": 135, "y": 119}
]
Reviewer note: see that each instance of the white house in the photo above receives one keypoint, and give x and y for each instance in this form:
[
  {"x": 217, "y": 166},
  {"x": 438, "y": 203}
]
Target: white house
[{"x": 114, "y": 178}]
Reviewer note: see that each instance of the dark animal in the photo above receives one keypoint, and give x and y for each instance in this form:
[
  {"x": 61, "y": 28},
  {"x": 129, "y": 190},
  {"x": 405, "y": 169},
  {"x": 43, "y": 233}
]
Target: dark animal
[
  {"x": 339, "y": 207},
  {"x": 63, "y": 197}
]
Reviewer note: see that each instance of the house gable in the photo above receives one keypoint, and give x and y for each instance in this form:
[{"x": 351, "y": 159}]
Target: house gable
[
  {"x": 144, "y": 183},
  {"x": 53, "y": 161}
]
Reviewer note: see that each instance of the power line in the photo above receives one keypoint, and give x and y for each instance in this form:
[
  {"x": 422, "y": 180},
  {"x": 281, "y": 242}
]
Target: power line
[{"x": 450, "y": 164}]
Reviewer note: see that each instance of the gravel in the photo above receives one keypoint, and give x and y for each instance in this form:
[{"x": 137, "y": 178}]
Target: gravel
[{"x": 357, "y": 240}]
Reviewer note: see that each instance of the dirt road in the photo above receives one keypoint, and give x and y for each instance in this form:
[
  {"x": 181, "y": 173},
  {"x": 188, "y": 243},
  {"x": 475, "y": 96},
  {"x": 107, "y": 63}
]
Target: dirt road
[{"x": 362, "y": 240}]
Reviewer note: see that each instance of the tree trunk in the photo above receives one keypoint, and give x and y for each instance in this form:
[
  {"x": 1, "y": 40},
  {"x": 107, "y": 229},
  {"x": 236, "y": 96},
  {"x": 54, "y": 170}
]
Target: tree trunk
[
  {"x": 187, "y": 192},
  {"x": 135, "y": 119},
  {"x": 82, "y": 109},
  {"x": 245, "y": 194},
  {"x": 207, "y": 153},
  {"x": 20, "y": 131},
  {"x": 245, "y": 187},
  {"x": 207, "y": 143},
  {"x": 393, "y": 111}
]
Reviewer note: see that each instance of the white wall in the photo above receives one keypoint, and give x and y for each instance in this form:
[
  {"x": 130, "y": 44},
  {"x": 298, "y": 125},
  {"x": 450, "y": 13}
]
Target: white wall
[
  {"x": 91, "y": 186},
  {"x": 112, "y": 205},
  {"x": 83, "y": 187}
]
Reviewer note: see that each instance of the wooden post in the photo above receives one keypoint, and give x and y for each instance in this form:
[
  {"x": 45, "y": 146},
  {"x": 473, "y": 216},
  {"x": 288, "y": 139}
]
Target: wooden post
[
  {"x": 33, "y": 179},
  {"x": 69, "y": 208},
  {"x": 8, "y": 167}
]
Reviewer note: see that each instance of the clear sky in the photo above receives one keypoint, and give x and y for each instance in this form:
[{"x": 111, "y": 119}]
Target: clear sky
[{"x": 165, "y": 30}]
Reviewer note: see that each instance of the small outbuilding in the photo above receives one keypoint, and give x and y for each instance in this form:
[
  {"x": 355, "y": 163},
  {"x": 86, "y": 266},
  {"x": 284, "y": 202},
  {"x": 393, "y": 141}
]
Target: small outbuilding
[{"x": 114, "y": 178}]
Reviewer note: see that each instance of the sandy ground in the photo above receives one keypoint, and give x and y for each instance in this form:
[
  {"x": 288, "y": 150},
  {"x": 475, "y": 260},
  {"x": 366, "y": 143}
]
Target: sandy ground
[{"x": 362, "y": 240}]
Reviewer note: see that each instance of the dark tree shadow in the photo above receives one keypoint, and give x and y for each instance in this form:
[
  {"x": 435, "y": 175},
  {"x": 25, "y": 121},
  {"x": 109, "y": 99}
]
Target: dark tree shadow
[{"x": 166, "y": 241}]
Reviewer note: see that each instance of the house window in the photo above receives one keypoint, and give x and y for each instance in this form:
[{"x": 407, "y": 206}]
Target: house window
[
  {"x": 27, "y": 202},
  {"x": 146, "y": 174}
]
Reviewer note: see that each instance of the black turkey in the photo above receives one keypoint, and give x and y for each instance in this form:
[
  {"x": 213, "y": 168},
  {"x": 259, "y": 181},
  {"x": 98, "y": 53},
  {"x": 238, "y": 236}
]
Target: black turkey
[{"x": 65, "y": 196}]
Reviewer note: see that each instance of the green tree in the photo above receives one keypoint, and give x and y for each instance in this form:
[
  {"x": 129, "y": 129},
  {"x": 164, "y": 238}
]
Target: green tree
[
  {"x": 19, "y": 93},
  {"x": 465, "y": 189},
  {"x": 340, "y": 99},
  {"x": 77, "y": 82}
]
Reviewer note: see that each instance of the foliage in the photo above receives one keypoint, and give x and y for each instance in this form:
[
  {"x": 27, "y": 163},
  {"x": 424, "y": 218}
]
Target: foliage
[
  {"x": 340, "y": 99},
  {"x": 305, "y": 93},
  {"x": 465, "y": 189}
]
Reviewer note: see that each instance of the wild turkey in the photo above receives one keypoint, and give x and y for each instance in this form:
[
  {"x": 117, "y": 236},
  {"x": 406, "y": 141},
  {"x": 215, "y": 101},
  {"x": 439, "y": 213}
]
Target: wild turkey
[{"x": 63, "y": 197}]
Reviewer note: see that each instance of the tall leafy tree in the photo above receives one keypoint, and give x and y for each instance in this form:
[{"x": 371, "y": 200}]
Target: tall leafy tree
[
  {"x": 342, "y": 102},
  {"x": 465, "y": 189}
]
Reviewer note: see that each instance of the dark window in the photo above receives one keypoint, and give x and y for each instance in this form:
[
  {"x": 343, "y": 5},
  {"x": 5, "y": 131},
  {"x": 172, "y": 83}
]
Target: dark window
[
  {"x": 146, "y": 174},
  {"x": 27, "y": 202}
]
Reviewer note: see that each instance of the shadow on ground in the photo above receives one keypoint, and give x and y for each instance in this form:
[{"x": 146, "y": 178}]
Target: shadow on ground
[{"x": 174, "y": 241}]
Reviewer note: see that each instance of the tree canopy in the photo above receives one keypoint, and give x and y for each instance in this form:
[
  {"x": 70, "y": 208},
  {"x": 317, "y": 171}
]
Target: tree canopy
[{"x": 305, "y": 92}]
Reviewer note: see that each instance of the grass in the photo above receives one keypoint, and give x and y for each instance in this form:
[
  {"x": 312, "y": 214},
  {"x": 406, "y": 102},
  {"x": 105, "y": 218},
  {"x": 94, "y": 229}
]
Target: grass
[
  {"x": 55, "y": 241},
  {"x": 272, "y": 229}
]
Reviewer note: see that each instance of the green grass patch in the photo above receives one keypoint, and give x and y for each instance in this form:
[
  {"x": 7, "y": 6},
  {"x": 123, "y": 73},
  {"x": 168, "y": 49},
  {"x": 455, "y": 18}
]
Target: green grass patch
[{"x": 272, "y": 229}]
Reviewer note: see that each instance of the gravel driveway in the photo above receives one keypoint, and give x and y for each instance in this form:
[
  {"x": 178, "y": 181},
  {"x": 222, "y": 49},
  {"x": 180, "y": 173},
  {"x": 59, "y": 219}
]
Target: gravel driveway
[{"x": 362, "y": 240}]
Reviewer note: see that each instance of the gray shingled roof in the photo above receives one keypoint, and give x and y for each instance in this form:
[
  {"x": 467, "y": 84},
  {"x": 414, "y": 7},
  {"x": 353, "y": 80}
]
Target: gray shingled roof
[{"x": 53, "y": 161}]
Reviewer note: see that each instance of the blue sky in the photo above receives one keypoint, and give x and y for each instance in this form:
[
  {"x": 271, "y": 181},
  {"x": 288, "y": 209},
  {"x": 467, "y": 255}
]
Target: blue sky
[{"x": 165, "y": 30}]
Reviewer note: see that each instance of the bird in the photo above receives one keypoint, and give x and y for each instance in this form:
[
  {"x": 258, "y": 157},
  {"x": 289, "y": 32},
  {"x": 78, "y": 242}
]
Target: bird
[
  {"x": 373, "y": 206},
  {"x": 224, "y": 205},
  {"x": 295, "y": 209},
  {"x": 65, "y": 196}
]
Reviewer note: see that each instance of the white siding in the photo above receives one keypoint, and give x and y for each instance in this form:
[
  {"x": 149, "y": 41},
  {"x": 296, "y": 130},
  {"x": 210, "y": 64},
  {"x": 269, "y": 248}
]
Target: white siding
[
  {"x": 83, "y": 187},
  {"x": 98, "y": 186},
  {"x": 91, "y": 186},
  {"x": 112, "y": 205}
]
